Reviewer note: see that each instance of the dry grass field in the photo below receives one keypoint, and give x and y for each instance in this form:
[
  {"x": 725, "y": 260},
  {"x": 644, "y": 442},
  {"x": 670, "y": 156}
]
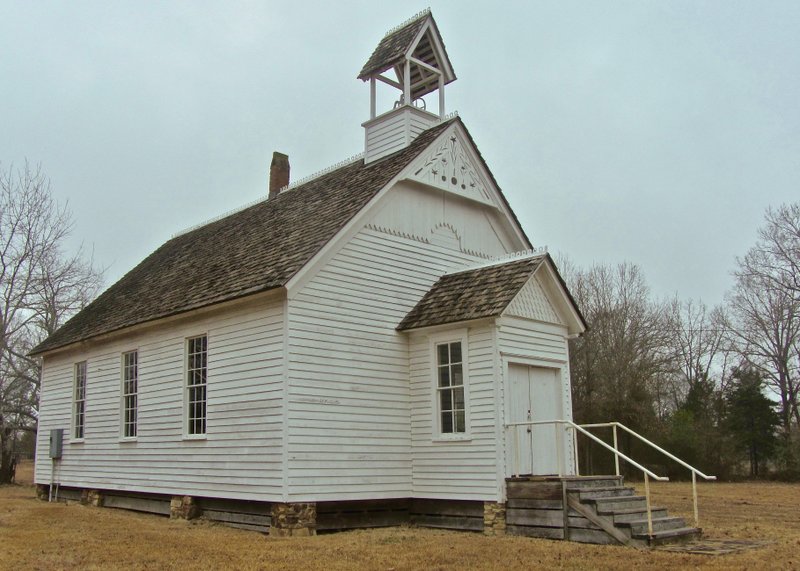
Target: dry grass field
[{"x": 40, "y": 536}]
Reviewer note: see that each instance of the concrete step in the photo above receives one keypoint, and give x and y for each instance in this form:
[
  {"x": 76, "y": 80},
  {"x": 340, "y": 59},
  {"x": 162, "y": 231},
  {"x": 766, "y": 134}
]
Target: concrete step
[
  {"x": 639, "y": 527},
  {"x": 602, "y": 492},
  {"x": 677, "y": 535}
]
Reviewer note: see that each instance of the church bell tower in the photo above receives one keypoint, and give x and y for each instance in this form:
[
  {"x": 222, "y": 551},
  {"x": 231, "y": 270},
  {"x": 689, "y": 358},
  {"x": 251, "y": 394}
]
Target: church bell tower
[{"x": 412, "y": 60}]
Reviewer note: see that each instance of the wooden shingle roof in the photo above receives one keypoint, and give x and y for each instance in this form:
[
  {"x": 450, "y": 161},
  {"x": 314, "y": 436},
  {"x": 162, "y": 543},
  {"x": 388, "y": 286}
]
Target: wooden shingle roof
[
  {"x": 253, "y": 250},
  {"x": 471, "y": 294},
  {"x": 393, "y": 47}
]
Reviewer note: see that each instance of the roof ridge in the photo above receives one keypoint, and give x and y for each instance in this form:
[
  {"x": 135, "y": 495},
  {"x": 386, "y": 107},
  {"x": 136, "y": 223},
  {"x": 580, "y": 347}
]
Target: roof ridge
[
  {"x": 319, "y": 173},
  {"x": 504, "y": 259},
  {"x": 411, "y": 20},
  {"x": 290, "y": 186}
]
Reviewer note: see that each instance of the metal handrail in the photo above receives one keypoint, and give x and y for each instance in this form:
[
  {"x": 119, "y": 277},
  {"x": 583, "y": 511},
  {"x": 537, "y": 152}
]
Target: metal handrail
[
  {"x": 617, "y": 454},
  {"x": 651, "y": 444},
  {"x": 695, "y": 472},
  {"x": 579, "y": 428}
]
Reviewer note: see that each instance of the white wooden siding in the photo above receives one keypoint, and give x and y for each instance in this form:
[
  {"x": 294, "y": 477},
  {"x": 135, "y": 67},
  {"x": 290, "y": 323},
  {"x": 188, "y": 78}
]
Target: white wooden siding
[
  {"x": 532, "y": 339},
  {"x": 241, "y": 456},
  {"x": 455, "y": 469},
  {"x": 349, "y": 401},
  {"x": 425, "y": 213},
  {"x": 385, "y": 137},
  {"x": 394, "y": 130}
]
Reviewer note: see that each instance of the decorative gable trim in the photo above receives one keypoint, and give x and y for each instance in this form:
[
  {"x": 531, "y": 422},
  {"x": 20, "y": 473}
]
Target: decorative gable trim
[
  {"x": 377, "y": 202},
  {"x": 424, "y": 239},
  {"x": 449, "y": 166},
  {"x": 492, "y": 193}
]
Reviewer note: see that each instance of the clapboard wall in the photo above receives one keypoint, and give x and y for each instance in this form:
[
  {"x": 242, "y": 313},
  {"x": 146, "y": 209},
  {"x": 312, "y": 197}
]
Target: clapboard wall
[
  {"x": 349, "y": 403},
  {"x": 241, "y": 456},
  {"x": 457, "y": 467}
]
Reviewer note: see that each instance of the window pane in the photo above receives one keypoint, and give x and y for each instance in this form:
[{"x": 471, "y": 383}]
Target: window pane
[
  {"x": 446, "y": 400},
  {"x": 458, "y": 377},
  {"x": 455, "y": 352},
  {"x": 447, "y": 422},
  {"x": 443, "y": 356},
  {"x": 460, "y": 422},
  {"x": 458, "y": 397},
  {"x": 444, "y": 376}
]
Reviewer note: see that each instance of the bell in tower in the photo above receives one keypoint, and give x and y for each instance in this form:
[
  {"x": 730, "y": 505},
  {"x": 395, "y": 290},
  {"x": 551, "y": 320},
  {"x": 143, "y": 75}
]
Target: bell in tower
[{"x": 411, "y": 59}]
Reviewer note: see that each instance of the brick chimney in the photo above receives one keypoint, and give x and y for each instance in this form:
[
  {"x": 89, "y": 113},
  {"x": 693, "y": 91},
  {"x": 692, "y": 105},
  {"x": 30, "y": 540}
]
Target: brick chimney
[{"x": 278, "y": 173}]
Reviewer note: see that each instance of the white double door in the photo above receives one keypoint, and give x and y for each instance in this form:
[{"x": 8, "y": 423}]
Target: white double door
[{"x": 534, "y": 395}]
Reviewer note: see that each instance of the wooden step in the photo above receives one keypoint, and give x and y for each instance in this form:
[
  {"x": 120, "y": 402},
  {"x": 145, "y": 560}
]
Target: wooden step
[
  {"x": 613, "y": 504},
  {"x": 602, "y": 492},
  {"x": 633, "y": 514},
  {"x": 639, "y": 527},
  {"x": 601, "y": 510},
  {"x": 585, "y": 482},
  {"x": 677, "y": 535}
]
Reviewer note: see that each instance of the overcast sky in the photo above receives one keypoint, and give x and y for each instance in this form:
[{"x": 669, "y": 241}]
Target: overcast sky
[{"x": 649, "y": 132}]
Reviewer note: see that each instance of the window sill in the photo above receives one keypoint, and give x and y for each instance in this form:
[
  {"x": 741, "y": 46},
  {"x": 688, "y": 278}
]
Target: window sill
[
  {"x": 128, "y": 439},
  {"x": 452, "y": 438},
  {"x": 77, "y": 441},
  {"x": 190, "y": 437}
]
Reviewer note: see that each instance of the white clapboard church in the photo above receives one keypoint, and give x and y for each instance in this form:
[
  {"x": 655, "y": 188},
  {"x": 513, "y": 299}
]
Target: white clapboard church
[{"x": 352, "y": 351}]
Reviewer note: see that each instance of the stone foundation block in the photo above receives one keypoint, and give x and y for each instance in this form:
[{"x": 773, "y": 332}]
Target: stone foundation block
[
  {"x": 494, "y": 518},
  {"x": 42, "y": 492},
  {"x": 92, "y": 498},
  {"x": 183, "y": 507},
  {"x": 294, "y": 520}
]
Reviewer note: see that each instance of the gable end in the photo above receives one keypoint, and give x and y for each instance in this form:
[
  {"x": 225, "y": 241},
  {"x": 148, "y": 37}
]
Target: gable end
[{"x": 532, "y": 303}]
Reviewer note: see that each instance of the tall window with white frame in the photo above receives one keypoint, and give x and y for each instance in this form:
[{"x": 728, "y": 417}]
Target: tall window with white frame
[
  {"x": 130, "y": 393},
  {"x": 79, "y": 409},
  {"x": 197, "y": 352},
  {"x": 450, "y": 376}
]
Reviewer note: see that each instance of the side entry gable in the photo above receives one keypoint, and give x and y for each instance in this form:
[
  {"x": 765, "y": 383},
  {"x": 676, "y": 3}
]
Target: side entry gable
[{"x": 545, "y": 298}]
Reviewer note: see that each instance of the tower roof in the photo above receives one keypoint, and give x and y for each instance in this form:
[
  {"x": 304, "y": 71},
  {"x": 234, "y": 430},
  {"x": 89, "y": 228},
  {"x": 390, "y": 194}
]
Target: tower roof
[{"x": 417, "y": 39}]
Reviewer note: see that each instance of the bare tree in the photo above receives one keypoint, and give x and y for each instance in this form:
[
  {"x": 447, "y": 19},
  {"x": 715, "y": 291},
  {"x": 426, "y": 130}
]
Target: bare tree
[
  {"x": 40, "y": 286},
  {"x": 764, "y": 309},
  {"x": 776, "y": 255},
  {"x": 699, "y": 342},
  {"x": 618, "y": 364},
  {"x": 620, "y": 367}
]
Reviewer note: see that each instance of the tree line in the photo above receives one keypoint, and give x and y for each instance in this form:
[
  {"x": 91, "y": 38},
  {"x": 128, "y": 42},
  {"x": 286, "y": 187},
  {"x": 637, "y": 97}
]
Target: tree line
[{"x": 717, "y": 386}]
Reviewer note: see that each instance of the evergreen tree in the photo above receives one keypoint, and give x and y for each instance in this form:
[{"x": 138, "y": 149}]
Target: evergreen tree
[
  {"x": 751, "y": 419},
  {"x": 696, "y": 430}
]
